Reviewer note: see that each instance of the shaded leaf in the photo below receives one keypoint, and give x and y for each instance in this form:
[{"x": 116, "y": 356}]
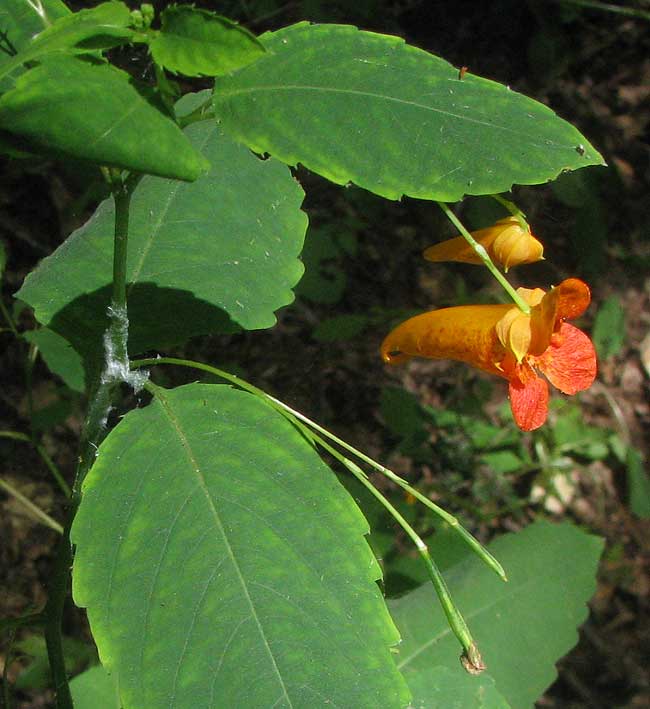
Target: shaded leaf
[
  {"x": 198, "y": 42},
  {"x": 94, "y": 689},
  {"x": 36, "y": 674},
  {"x": 231, "y": 570},
  {"x": 101, "y": 27},
  {"x": 71, "y": 108},
  {"x": 522, "y": 627},
  {"x": 392, "y": 118},
  {"x": 442, "y": 688},
  {"x": 638, "y": 484},
  {"x": 340, "y": 327},
  {"x": 59, "y": 356},
  {"x": 226, "y": 245},
  {"x": 608, "y": 332}
]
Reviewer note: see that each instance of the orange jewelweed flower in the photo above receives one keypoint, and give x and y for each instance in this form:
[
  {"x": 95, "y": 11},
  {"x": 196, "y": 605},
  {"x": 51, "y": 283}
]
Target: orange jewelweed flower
[
  {"x": 506, "y": 242},
  {"x": 503, "y": 340}
]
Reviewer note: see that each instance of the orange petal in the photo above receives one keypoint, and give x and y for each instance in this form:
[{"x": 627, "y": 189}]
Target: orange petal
[
  {"x": 514, "y": 332},
  {"x": 465, "y": 333},
  {"x": 515, "y": 246},
  {"x": 529, "y": 402},
  {"x": 570, "y": 361},
  {"x": 574, "y": 297},
  {"x": 456, "y": 249},
  {"x": 506, "y": 242}
]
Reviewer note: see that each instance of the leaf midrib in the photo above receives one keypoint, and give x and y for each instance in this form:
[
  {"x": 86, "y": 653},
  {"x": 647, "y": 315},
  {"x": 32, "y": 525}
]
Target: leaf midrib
[
  {"x": 369, "y": 94},
  {"x": 162, "y": 399}
]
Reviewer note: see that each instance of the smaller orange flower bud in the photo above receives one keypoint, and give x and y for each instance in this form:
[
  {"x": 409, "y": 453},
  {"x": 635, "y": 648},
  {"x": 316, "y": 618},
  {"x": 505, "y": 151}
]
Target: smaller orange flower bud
[{"x": 506, "y": 242}]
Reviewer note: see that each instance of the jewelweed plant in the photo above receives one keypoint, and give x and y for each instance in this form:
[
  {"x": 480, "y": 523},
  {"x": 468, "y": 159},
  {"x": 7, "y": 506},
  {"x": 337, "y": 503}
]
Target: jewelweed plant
[{"x": 220, "y": 561}]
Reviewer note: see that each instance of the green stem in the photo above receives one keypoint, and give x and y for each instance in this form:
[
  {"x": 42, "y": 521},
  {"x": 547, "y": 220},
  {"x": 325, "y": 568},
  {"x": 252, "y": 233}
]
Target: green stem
[
  {"x": 483, "y": 255},
  {"x": 56, "y": 474},
  {"x": 473, "y": 543},
  {"x": 30, "y": 619},
  {"x": 471, "y": 657},
  {"x": 5, "y": 672},
  {"x": 7, "y": 316},
  {"x": 513, "y": 209},
  {"x": 32, "y": 353},
  {"x": 608, "y": 7},
  {"x": 33, "y": 510},
  {"x": 116, "y": 368}
]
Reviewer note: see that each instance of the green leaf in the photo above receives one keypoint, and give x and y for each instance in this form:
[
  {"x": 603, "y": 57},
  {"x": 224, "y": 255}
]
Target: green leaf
[
  {"x": 340, "y": 327},
  {"x": 608, "y": 332},
  {"x": 198, "y": 42},
  {"x": 223, "y": 565},
  {"x": 638, "y": 484},
  {"x": 21, "y": 20},
  {"x": 3, "y": 259},
  {"x": 94, "y": 689},
  {"x": 228, "y": 242},
  {"x": 522, "y": 627},
  {"x": 443, "y": 688},
  {"x": 59, "y": 356},
  {"x": 503, "y": 461},
  {"x": 36, "y": 674},
  {"x": 324, "y": 280},
  {"x": 366, "y": 108},
  {"x": 71, "y": 108},
  {"x": 101, "y": 27}
]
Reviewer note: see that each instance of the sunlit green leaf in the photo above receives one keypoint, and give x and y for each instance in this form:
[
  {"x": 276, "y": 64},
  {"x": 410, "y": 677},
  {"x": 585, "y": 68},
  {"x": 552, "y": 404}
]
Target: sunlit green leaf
[
  {"x": 367, "y": 108},
  {"x": 522, "y": 627},
  {"x": 72, "y": 108},
  {"x": 223, "y": 565},
  {"x": 218, "y": 251},
  {"x": 101, "y": 27},
  {"x": 94, "y": 689},
  {"x": 197, "y": 42},
  {"x": 21, "y": 20}
]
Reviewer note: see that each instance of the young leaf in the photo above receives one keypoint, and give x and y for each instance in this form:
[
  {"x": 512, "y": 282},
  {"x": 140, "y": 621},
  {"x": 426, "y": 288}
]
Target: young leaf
[
  {"x": 367, "y": 108},
  {"x": 94, "y": 689},
  {"x": 198, "y": 42},
  {"x": 71, "y": 108},
  {"x": 222, "y": 563},
  {"x": 227, "y": 243},
  {"x": 523, "y": 627},
  {"x": 101, "y": 27}
]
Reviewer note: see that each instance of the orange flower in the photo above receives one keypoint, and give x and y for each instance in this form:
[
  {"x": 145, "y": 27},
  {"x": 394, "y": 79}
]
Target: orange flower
[
  {"x": 506, "y": 242},
  {"x": 503, "y": 340}
]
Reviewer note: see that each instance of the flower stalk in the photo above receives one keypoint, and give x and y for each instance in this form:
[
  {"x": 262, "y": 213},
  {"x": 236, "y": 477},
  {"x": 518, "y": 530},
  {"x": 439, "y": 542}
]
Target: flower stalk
[{"x": 485, "y": 258}]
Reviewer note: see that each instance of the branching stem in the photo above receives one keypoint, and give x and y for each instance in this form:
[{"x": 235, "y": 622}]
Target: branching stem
[{"x": 93, "y": 432}]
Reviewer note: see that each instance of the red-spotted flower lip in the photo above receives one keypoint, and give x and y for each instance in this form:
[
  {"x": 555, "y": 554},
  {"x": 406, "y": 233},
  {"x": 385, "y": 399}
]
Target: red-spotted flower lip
[{"x": 503, "y": 340}]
